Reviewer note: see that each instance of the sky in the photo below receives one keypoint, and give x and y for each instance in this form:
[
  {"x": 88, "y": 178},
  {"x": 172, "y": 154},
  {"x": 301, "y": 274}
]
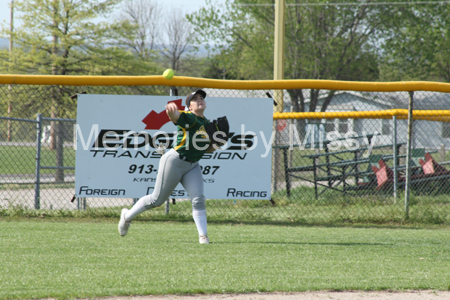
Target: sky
[{"x": 187, "y": 6}]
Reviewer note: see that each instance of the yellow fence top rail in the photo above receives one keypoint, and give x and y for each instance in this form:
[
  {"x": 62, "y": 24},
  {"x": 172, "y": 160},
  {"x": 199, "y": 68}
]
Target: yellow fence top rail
[
  {"x": 226, "y": 84},
  {"x": 430, "y": 115}
]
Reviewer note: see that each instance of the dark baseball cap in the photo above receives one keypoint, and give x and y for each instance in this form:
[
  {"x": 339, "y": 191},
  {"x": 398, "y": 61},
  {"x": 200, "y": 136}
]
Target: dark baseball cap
[{"x": 190, "y": 96}]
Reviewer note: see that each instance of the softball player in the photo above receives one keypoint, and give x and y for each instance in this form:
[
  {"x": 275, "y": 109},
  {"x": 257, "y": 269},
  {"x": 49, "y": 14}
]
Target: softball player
[{"x": 180, "y": 164}]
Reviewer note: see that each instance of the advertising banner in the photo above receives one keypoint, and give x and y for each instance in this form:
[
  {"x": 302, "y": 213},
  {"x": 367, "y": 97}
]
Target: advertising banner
[{"x": 118, "y": 138}]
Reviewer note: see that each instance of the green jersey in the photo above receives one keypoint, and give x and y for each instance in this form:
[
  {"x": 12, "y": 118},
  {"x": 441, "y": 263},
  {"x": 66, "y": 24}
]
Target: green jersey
[{"x": 192, "y": 139}]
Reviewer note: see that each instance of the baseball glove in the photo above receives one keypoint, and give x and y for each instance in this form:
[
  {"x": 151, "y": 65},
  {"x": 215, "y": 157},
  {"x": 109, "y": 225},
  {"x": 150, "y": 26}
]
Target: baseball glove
[{"x": 218, "y": 130}]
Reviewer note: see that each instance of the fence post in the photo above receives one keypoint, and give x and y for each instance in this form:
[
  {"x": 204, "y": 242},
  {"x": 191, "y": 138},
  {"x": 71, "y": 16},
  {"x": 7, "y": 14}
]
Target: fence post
[
  {"x": 59, "y": 135},
  {"x": 275, "y": 160},
  {"x": 9, "y": 124},
  {"x": 37, "y": 192},
  {"x": 395, "y": 149},
  {"x": 81, "y": 203},
  {"x": 442, "y": 152},
  {"x": 291, "y": 148},
  {"x": 408, "y": 153}
]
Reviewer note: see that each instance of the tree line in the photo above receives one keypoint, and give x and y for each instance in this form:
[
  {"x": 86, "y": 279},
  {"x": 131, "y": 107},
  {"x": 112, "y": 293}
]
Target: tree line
[
  {"x": 90, "y": 37},
  {"x": 336, "y": 40}
]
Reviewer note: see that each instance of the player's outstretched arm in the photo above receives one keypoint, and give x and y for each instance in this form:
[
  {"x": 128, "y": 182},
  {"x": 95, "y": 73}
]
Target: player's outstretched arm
[{"x": 173, "y": 112}]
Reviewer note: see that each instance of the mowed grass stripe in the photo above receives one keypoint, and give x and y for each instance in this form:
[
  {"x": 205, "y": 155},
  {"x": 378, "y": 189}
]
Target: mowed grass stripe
[{"x": 89, "y": 259}]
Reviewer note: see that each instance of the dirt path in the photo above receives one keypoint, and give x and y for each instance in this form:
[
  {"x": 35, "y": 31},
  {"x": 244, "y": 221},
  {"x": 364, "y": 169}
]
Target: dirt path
[{"x": 357, "y": 295}]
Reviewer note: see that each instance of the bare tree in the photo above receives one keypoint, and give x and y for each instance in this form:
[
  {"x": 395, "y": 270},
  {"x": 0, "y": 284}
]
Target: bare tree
[
  {"x": 179, "y": 35},
  {"x": 145, "y": 16}
]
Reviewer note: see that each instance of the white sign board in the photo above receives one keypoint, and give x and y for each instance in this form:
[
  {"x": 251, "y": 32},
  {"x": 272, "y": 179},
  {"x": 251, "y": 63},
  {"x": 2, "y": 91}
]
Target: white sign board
[{"x": 117, "y": 137}]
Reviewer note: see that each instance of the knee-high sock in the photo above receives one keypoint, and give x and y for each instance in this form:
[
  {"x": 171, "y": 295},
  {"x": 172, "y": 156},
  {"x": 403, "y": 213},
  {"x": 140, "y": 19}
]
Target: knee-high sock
[
  {"x": 138, "y": 208},
  {"x": 200, "y": 221}
]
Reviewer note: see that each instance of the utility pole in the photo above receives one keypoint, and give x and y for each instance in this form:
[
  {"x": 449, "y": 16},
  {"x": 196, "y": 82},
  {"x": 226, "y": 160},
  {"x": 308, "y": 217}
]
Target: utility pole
[{"x": 278, "y": 61}]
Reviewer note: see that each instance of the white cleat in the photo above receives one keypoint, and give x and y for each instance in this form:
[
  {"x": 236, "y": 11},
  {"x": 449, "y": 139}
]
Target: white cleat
[
  {"x": 123, "y": 224},
  {"x": 203, "y": 239}
]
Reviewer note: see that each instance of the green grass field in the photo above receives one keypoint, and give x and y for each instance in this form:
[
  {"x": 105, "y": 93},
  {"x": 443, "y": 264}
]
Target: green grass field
[
  {"x": 65, "y": 258},
  {"x": 22, "y": 159}
]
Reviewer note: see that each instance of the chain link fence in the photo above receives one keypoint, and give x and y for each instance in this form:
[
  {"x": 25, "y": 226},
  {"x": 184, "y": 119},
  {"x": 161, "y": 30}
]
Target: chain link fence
[{"x": 350, "y": 167}]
